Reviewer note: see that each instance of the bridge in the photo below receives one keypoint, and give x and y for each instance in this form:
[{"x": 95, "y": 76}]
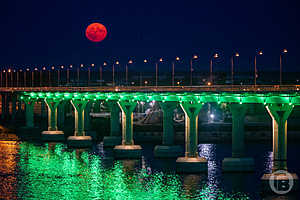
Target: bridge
[{"x": 278, "y": 100}]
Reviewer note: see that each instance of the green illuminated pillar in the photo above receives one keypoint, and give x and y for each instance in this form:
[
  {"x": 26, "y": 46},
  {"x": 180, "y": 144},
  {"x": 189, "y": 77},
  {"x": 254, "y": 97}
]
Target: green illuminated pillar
[
  {"x": 52, "y": 105},
  {"x": 168, "y": 129},
  {"x": 29, "y": 105},
  {"x": 13, "y": 107},
  {"x": 114, "y": 118},
  {"x": 87, "y": 117},
  {"x": 191, "y": 111},
  {"x": 279, "y": 114},
  {"x": 79, "y": 106},
  {"x": 238, "y": 162},
  {"x": 127, "y": 108},
  {"x": 238, "y": 112},
  {"x": 61, "y": 113},
  {"x": 168, "y": 149}
]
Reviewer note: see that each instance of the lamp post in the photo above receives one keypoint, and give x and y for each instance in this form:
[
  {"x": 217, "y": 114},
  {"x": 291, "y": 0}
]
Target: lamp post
[
  {"x": 191, "y": 68},
  {"x": 215, "y": 56},
  {"x": 41, "y": 75},
  {"x": 232, "y": 66},
  {"x": 156, "y": 71},
  {"x": 68, "y": 74},
  {"x": 78, "y": 74},
  {"x": 255, "y": 68},
  {"x": 141, "y": 78},
  {"x": 100, "y": 71},
  {"x": 113, "y": 71},
  {"x": 284, "y": 51},
  {"x": 89, "y": 73},
  {"x": 173, "y": 70},
  {"x": 25, "y": 78},
  {"x": 129, "y": 63}
]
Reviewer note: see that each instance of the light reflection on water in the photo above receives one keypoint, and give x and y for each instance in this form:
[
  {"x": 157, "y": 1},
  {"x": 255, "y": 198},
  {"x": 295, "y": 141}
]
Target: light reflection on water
[{"x": 53, "y": 171}]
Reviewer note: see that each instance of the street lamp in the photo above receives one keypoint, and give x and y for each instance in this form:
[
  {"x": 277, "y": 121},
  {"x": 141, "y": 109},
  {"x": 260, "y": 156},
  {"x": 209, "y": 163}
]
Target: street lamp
[
  {"x": 100, "y": 70},
  {"x": 284, "y": 51},
  {"x": 260, "y": 53},
  {"x": 215, "y": 56},
  {"x": 232, "y": 66},
  {"x": 173, "y": 70},
  {"x": 156, "y": 71},
  {"x": 195, "y": 57},
  {"x": 126, "y": 77},
  {"x": 113, "y": 71}
]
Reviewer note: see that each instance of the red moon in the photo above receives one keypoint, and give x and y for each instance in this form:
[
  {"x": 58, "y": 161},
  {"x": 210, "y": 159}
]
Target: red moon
[{"x": 96, "y": 32}]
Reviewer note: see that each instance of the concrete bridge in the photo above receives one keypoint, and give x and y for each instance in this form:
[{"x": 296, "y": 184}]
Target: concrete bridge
[{"x": 278, "y": 100}]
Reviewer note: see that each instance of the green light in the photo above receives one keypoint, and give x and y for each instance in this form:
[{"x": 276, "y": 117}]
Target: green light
[
  {"x": 205, "y": 97},
  {"x": 55, "y": 172}
]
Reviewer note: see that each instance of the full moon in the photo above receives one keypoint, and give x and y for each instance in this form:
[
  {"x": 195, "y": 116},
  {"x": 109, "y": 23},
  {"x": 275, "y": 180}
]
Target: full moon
[{"x": 96, "y": 32}]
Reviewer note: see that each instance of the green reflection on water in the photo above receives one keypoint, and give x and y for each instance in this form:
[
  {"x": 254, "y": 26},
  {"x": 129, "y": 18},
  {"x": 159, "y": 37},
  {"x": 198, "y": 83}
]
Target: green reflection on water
[{"x": 55, "y": 172}]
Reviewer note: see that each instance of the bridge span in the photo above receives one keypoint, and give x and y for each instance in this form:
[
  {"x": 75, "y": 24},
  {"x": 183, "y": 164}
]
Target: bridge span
[{"x": 279, "y": 101}]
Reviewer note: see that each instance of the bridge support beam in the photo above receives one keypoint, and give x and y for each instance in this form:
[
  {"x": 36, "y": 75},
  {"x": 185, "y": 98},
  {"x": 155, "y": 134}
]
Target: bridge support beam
[
  {"x": 4, "y": 106},
  {"x": 52, "y": 134},
  {"x": 115, "y": 137},
  {"x": 13, "y": 108},
  {"x": 191, "y": 163},
  {"x": 127, "y": 149},
  {"x": 168, "y": 149},
  {"x": 238, "y": 162},
  {"x": 61, "y": 113},
  {"x": 29, "y": 106},
  {"x": 279, "y": 114},
  {"x": 79, "y": 139}
]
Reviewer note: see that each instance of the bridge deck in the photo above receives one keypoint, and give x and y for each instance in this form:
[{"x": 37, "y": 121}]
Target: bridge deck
[{"x": 215, "y": 88}]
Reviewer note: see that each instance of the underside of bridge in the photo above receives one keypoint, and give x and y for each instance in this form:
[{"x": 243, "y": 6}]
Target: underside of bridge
[{"x": 279, "y": 105}]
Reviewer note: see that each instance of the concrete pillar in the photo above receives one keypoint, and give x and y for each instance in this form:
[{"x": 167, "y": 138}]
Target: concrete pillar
[
  {"x": 285, "y": 182},
  {"x": 168, "y": 149},
  {"x": 61, "y": 113},
  {"x": 279, "y": 114},
  {"x": 87, "y": 117},
  {"x": 80, "y": 139},
  {"x": 238, "y": 163},
  {"x": 52, "y": 113},
  {"x": 29, "y": 106},
  {"x": 13, "y": 107},
  {"x": 191, "y": 163},
  {"x": 43, "y": 110},
  {"x": 127, "y": 149},
  {"x": 52, "y": 134},
  {"x": 115, "y": 133},
  {"x": 127, "y": 120},
  {"x": 79, "y": 106},
  {"x": 4, "y": 106}
]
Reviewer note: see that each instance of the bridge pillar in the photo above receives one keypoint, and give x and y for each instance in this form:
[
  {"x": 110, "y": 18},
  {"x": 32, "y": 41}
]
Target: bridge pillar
[
  {"x": 4, "y": 101},
  {"x": 279, "y": 114},
  {"x": 52, "y": 134},
  {"x": 127, "y": 149},
  {"x": 79, "y": 139},
  {"x": 61, "y": 113},
  {"x": 238, "y": 163},
  {"x": 191, "y": 163},
  {"x": 29, "y": 106},
  {"x": 168, "y": 149},
  {"x": 115, "y": 134},
  {"x": 13, "y": 108}
]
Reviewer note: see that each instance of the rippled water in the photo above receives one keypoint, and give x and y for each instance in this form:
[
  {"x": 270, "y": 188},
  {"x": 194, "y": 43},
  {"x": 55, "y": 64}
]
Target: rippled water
[{"x": 53, "y": 171}]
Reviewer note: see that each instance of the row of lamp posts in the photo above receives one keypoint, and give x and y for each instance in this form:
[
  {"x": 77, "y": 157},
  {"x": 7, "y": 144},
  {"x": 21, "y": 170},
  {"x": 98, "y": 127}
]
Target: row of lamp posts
[{"x": 105, "y": 64}]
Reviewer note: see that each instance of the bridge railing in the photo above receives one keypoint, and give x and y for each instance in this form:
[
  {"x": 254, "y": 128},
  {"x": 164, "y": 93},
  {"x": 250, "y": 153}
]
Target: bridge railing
[{"x": 214, "y": 88}]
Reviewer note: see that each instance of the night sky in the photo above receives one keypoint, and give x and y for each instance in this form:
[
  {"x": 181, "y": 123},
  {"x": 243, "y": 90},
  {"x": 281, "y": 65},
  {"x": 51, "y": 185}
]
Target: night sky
[{"x": 34, "y": 33}]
